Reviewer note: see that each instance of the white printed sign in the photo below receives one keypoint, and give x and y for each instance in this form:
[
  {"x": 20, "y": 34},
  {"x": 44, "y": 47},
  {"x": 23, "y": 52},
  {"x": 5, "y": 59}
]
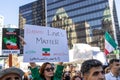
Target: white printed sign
[{"x": 45, "y": 44}]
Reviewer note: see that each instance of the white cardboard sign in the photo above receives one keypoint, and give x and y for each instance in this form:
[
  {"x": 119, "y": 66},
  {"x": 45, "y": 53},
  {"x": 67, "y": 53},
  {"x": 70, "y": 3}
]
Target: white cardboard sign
[{"x": 45, "y": 44}]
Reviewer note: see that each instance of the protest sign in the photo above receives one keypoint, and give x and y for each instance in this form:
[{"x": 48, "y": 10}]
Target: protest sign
[
  {"x": 10, "y": 41},
  {"x": 45, "y": 44}
]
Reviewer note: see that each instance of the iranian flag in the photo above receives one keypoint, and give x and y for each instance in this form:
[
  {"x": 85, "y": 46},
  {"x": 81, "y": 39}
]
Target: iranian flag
[{"x": 110, "y": 44}]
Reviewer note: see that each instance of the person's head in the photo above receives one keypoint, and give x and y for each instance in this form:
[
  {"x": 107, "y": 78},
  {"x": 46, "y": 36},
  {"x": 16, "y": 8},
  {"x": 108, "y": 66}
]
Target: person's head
[
  {"x": 66, "y": 75},
  {"x": 92, "y": 70},
  {"x": 47, "y": 70},
  {"x": 11, "y": 73},
  {"x": 78, "y": 73},
  {"x": 114, "y": 65},
  {"x": 76, "y": 78}
]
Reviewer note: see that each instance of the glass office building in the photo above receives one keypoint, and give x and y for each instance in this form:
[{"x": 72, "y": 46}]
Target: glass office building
[
  {"x": 32, "y": 13},
  {"x": 84, "y": 20}
]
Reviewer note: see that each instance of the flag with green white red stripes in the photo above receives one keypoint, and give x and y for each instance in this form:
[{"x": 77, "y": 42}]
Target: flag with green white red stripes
[{"x": 110, "y": 44}]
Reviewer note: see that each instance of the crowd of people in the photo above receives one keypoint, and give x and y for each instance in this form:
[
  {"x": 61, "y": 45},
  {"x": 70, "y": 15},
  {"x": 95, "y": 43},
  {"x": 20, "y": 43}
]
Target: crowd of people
[{"x": 91, "y": 69}]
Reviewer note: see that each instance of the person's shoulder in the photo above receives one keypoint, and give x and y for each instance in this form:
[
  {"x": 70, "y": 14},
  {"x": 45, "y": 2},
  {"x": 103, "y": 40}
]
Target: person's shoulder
[{"x": 107, "y": 74}]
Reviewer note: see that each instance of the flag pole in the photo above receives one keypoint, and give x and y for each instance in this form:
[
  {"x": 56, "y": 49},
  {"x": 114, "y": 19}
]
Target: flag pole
[{"x": 10, "y": 60}]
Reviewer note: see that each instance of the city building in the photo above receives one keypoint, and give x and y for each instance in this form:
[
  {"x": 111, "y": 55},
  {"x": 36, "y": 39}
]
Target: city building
[
  {"x": 96, "y": 13},
  {"x": 32, "y": 13},
  {"x": 85, "y": 21}
]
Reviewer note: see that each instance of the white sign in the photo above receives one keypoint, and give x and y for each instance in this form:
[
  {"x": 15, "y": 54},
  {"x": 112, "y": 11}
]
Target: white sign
[
  {"x": 82, "y": 51},
  {"x": 97, "y": 54},
  {"x": 45, "y": 44}
]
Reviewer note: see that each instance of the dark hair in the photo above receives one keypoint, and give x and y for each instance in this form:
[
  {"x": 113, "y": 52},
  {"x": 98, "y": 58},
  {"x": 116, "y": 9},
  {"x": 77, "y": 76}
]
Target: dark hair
[
  {"x": 66, "y": 75},
  {"x": 113, "y": 60},
  {"x": 88, "y": 64},
  {"x": 42, "y": 68},
  {"x": 74, "y": 77}
]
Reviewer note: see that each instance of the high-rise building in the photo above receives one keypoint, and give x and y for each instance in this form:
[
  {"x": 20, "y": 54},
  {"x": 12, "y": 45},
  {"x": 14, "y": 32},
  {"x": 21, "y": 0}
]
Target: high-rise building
[
  {"x": 32, "y": 13},
  {"x": 96, "y": 13},
  {"x": 84, "y": 20}
]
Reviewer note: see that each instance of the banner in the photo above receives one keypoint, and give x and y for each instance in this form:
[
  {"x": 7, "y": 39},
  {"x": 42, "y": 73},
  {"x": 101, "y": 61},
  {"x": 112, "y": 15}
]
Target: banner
[
  {"x": 82, "y": 51},
  {"x": 45, "y": 44},
  {"x": 10, "y": 41}
]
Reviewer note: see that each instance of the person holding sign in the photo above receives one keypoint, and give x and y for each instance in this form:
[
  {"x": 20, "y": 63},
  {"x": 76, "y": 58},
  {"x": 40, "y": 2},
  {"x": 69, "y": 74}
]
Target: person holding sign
[{"x": 46, "y": 71}]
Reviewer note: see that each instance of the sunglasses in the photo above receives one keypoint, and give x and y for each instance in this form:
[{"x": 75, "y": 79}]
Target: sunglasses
[{"x": 49, "y": 69}]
